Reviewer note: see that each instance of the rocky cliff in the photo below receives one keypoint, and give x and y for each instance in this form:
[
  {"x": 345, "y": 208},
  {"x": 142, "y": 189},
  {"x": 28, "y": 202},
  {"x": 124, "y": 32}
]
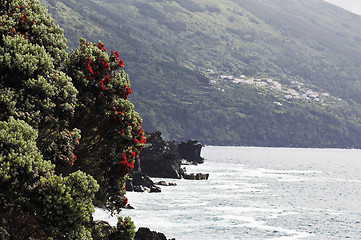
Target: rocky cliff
[{"x": 163, "y": 159}]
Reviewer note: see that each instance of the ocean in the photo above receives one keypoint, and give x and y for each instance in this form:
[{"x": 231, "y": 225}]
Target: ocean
[{"x": 257, "y": 193}]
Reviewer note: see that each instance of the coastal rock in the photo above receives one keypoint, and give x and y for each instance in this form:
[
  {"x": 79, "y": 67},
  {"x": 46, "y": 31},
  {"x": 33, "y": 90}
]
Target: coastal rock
[
  {"x": 147, "y": 234},
  {"x": 196, "y": 176},
  {"x": 138, "y": 182},
  {"x": 129, "y": 207},
  {"x": 164, "y": 183},
  {"x": 190, "y": 151},
  {"x": 163, "y": 159},
  {"x": 158, "y": 160}
]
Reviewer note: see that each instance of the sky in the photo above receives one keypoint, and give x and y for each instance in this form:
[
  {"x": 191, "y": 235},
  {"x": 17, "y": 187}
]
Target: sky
[{"x": 351, "y": 5}]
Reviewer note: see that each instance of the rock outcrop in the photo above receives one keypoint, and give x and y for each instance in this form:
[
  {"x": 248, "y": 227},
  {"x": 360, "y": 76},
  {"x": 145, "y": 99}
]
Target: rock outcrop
[
  {"x": 164, "y": 183},
  {"x": 147, "y": 234},
  {"x": 190, "y": 151},
  {"x": 138, "y": 182},
  {"x": 196, "y": 176},
  {"x": 158, "y": 158},
  {"x": 163, "y": 159}
]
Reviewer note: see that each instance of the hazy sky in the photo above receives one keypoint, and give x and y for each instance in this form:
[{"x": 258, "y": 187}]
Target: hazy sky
[{"x": 351, "y": 5}]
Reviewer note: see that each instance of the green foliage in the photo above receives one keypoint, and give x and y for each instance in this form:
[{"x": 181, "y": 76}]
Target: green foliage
[
  {"x": 66, "y": 129},
  {"x": 21, "y": 162},
  {"x": 29, "y": 20},
  {"x": 111, "y": 130},
  {"x": 32, "y": 86},
  {"x": 148, "y": 10},
  {"x": 31, "y": 195},
  {"x": 32, "y": 89},
  {"x": 125, "y": 230},
  {"x": 67, "y": 204}
]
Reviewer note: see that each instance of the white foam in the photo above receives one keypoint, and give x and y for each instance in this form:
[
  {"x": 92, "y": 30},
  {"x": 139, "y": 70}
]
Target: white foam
[
  {"x": 294, "y": 234},
  {"x": 101, "y": 214}
]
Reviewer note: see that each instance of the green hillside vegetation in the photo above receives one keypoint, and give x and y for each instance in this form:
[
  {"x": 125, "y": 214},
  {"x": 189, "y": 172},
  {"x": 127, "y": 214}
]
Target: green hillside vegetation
[{"x": 168, "y": 46}]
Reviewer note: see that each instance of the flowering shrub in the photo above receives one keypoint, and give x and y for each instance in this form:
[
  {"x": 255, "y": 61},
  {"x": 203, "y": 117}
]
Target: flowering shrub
[
  {"x": 104, "y": 111},
  {"x": 67, "y": 129}
]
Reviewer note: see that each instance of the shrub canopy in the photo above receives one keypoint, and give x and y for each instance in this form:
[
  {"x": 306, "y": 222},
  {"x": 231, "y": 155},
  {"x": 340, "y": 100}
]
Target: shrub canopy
[{"x": 68, "y": 134}]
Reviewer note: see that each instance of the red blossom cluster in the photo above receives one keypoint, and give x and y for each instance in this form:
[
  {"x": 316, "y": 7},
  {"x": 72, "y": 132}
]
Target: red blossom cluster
[
  {"x": 115, "y": 58},
  {"x": 138, "y": 135},
  {"x": 101, "y": 47},
  {"x": 124, "y": 164},
  {"x": 97, "y": 73},
  {"x": 138, "y": 140},
  {"x": 126, "y": 92},
  {"x": 100, "y": 73}
]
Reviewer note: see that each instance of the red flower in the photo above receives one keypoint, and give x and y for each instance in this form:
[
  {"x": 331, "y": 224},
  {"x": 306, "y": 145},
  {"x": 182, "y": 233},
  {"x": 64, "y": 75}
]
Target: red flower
[
  {"x": 101, "y": 47},
  {"x": 122, "y": 168},
  {"x": 131, "y": 165},
  {"x": 124, "y": 157},
  {"x": 121, "y": 63}
]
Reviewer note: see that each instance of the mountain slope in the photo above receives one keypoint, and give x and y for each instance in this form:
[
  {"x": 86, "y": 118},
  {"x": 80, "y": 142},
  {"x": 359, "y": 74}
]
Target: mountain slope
[{"x": 168, "y": 46}]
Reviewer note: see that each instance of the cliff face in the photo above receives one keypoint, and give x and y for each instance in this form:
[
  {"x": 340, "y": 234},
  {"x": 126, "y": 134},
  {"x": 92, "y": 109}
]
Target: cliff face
[
  {"x": 160, "y": 158},
  {"x": 190, "y": 151}
]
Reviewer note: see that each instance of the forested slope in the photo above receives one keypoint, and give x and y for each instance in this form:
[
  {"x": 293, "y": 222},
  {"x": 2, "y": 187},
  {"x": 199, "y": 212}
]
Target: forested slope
[{"x": 168, "y": 46}]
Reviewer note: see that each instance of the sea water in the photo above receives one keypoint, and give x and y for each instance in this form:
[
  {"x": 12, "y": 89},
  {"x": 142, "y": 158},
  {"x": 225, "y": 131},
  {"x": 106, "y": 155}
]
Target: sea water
[{"x": 258, "y": 193}]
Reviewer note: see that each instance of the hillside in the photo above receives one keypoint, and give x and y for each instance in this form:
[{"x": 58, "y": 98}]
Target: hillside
[{"x": 306, "y": 46}]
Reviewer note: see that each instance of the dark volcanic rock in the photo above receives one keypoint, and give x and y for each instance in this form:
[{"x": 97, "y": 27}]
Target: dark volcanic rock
[
  {"x": 196, "y": 176},
  {"x": 164, "y": 183},
  {"x": 147, "y": 234},
  {"x": 163, "y": 159},
  {"x": 129, "y": 207},
  {"x": 190, "y": 151},
  {"x": 138, "y": 182},
  {"x": 158, "y": 160}
]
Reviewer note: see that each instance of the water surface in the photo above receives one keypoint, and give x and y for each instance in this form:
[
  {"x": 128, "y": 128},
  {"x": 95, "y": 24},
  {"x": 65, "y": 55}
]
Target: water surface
[{"x": 258, "y": 193}]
